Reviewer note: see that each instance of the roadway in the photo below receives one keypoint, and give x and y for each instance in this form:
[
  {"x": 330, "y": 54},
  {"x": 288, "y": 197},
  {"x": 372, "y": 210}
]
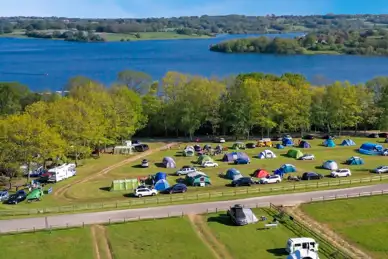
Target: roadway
[{"x": 68, "y": 220}]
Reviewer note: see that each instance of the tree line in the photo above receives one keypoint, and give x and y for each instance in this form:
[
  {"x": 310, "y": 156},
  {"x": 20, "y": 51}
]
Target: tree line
[
  {"x": 35, "y": 127},
  {"x": 79, "y": 36}
]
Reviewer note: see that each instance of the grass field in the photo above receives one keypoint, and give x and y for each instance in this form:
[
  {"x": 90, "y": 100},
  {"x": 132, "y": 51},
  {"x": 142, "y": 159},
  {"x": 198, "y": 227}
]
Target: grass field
[{"x": 362, "y": 221}]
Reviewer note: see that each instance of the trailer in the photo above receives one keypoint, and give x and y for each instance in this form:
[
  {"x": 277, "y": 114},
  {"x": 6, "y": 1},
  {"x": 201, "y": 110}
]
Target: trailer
[{"x": 61, "y": 172}]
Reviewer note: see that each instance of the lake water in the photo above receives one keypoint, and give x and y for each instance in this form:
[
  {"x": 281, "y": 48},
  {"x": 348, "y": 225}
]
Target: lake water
[{"x": 27, "y": 60}]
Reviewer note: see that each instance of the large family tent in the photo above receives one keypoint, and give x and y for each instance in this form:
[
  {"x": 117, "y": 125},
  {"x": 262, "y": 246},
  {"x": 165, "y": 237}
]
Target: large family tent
[
  {"x": 233, "y": 174},
  {"x": 371, "y": 149},
  {"x": 159, "y": 176},
  {"x": 204, "y": 158},
  {"x": 285, "y": 169},
  {"x": 230, "y": 157},
  {"x": 329, "y": 143},
  {"x": 287, "y": 142},
  {"x": 161, "y": 185},
  {"x": 238, "y": 145},
  {"x": 330, "y": 165},
  {"x": 304, "y": 144},
  {"x": 355, "y": 160},
  {"x": 189, "y": 151},
  {"x": 294, "y": 153},
  {"x": 279, "y": 146},
  {"x": 266, "y": 154},
  {"x": 168, "y": 162},
  {"x": 197, "y": 179},
  {"x": 348, "y": 142},
  {"x": 122, "y": 185},
  {"x": 260, "y": 173}
]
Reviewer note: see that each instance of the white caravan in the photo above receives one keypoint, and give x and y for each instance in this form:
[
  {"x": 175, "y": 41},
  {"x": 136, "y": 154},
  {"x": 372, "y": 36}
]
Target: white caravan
[
  {"x": 62, "y": 172},
  {"x": 303, "y": 254},
  {"x": 301, "y": 243}
]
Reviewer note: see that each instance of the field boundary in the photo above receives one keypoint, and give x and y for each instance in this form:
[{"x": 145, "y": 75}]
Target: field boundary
[{"x": 169, "y": 199}]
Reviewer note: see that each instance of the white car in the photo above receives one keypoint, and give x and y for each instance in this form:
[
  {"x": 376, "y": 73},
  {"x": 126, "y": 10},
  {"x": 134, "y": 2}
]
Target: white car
[
  {"x": 271, "y": 179},
  {"x": 381, "y": 169},
  {"x": 209, "y": 164},
  {"x": 307, "y": 157},
  {"x": 185, "y": 170},
  {"x": 341, "y": 173},
  {"x": 222, "y": 140},
  {"x": 145, "y": 191}
]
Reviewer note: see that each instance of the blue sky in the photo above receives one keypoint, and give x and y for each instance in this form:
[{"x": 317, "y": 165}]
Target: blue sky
[{"x": 168, "y": 8}]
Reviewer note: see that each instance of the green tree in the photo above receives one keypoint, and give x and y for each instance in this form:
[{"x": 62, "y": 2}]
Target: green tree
[{"x": 135, "y": 80}]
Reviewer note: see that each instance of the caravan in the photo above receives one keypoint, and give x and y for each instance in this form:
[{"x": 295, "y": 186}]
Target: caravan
[
  {"x": 62, "y": 172},
  {"x": 301, "y": 243}
]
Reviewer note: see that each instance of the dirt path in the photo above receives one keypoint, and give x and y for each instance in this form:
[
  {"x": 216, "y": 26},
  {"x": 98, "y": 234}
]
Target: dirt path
[
  {"x": 328, "y": 234},
  {"x": 60, "y": 192},
  {"x": 95, "y": 243},
  {"x": 105, "y": 242},
  {"x": 204, "y": 233}
]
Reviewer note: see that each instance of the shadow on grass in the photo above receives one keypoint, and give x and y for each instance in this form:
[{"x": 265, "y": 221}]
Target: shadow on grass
[
  {"x": 221, "y": 219},
  {"x": 160, "y": 165},
  {"x": 129, "y": 195},
  {"x": 138, "y": 166},
  {"x": 278, "y": 251},
  {"x": 107, "y": 189}
]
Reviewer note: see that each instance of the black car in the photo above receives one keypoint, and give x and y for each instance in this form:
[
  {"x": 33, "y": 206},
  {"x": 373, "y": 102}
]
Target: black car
[
  {"x": 19, "y": 196},
  {"x": 311, "y": 176},
  {"x": 177, "y": 188},
  {"x": 251, "y": 145},
  {"x": 142, "y": 148},
  {"x": 373, "y": 135},
  {"x": 237, "y": 215},
  {"x": 243, "y": 181},
  {"x": 383, "y": 135},
  {"x": 309, "y": 137}
]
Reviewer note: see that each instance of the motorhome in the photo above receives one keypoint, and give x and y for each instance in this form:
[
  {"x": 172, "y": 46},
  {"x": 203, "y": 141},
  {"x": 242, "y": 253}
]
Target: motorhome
[
  {"x": 62, "y": 172},
  {"x": 301, "y": 243},
  {"x": 303, "y": 254}
]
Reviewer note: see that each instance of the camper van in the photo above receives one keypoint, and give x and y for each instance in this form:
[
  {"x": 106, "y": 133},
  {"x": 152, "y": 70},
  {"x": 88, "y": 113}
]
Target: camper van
[
  {"x": 301, "y": 243},
  {"x": 62, "y": 172}
]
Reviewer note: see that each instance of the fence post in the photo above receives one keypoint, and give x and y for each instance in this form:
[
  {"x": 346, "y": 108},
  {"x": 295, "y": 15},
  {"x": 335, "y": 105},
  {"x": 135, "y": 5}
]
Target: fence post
[{"x": 116, "y": 204}]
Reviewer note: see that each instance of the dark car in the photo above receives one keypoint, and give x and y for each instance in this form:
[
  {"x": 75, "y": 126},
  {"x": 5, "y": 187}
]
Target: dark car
[
  {"x": 328, "y": 137},
  {"x": 241, "y": 161},
  {"x": 311, "y": 176},
  {"x": 243, "y": 181},
  {"x": 251, "y": 145},
  {"x": 142, "y": 148},
  {"x": 373, "y": 135},
  {"x": 135, "y": 142},
  {"x": 237, "y": 215},
  {"x": 309, "y": 137},
  {"x": 19, "y": 196},
  {"x": 383, "y": 135},
  {"x": 177, "y": 188}
]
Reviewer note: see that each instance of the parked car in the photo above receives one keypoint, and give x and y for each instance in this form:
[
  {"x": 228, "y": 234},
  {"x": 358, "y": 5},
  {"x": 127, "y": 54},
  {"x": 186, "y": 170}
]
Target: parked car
[
  {"x": 19, "y": 196},
  {"x": 309, "y": 137},
  {"x": 381, "y": 169},
  {"x": 311, "y": 176},
  {"x": 209, "y": 164},
  {"x": 177, "y": 188},
  {"x": 373, "y": 135},
  {"x": 251, "y": 145},
  {"x": 221, "y": 140},
  {"x": 4, "y": 195},
  {"x": 185, "y": 170},
  {"x": 341, "y": 173},
  {"x": 328, "y": 137},
  {"x": 243, "y": 181},
  {"x": 241, "y": 161},
  {"x": 383, "y": 135},
  {"x": 237, "y": 215},
  {"x": 287, "y": 136},
  {"x": 271, "y": 179},
  {"x": 307, "y": 157},
  {"x": 144, "y": 163},
  {"x": 142, "y": 147},
  {"x": 145, "y": 191}
]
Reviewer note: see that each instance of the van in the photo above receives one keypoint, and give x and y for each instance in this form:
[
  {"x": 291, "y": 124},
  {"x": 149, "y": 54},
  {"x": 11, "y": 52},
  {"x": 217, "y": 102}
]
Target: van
[
  {"x": 61, "y": 172},
  {"x": 301, "y": 243}
]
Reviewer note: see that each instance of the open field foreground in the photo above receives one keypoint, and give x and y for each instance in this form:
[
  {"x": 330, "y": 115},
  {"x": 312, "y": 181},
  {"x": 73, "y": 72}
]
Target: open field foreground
[{"x": 362, "y": 222}]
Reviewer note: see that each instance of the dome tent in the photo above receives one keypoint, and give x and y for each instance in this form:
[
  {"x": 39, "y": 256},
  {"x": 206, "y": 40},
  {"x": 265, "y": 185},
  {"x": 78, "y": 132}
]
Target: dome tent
[
  {"x": 230, "y": 157},
  {"x": 348, "y": 142},
  {"x": 330, "y": 165},
  {"x": 204, "y": 158},
  {"x": 294, "y": 153},
  {"x": 285, "y": 169},
  {"x": 371, "y": 149},
  {"x": 168, "y": 162},
  {"x": 161, "y": 185},
  {"x": 159, "y": 176},
  {"x": 355, "y": 160},
  {"x": 304, "y": 144},
  {"x": 189, "y": 151},
  {"x": 287, "y": 142},
  {"x": 266, "y": 154},
  {"x": 279, "y": 146},
  {"x": 329, "y": 143},
  {"x": 260, "y": 173},
  {"x": 233, "y": 174}
]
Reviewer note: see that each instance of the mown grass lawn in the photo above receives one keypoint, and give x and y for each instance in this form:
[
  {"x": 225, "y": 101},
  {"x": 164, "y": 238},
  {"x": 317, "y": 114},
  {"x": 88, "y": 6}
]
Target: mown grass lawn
[
  {"x": 362, "y": 221},
  {"x": 172, "y": 238},
  {"x": 58, "y": 244}
]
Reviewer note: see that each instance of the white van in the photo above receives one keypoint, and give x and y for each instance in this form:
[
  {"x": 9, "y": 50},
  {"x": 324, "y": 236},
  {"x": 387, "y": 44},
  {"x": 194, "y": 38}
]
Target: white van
[
  {"x": 301, "y": 243},
  {"x": 62, "y": 172}
]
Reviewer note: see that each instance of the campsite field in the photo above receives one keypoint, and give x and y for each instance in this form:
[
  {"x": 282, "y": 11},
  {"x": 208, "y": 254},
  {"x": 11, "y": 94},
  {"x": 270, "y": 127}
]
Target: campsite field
[{"x": 362, "y": 221}]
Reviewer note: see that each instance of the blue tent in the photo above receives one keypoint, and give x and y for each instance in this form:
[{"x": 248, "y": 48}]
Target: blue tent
[
  {"x": 279, "y": 146},
  {"x": 230, "y": 157},
  {"x": 233, "y": 174},
  {"x": 371, "y": 149},
  {"x": 304, "y": 144},
  {"x": 348, "y": 142},
  {"x": 287, "y": 142},
  {"x": 161, "y": 185},
  {"x": 285, "y": 169},
  {"x": 160, "y": 176},
  {"x": 329, "y": 143},
  {"x": 355, "y": 160}
]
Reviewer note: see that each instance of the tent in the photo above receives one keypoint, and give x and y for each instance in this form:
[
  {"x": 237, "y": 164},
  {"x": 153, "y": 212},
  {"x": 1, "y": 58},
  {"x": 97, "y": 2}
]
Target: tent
[
  {"x": 348, "y": 142},
  {"x": 279, "y": 146},
  {"x": 168, "y": 162},
  {"x": 355, "y": 160},
  {"x": 233, "y": 174},
  {"x": 266, "y": 154},
  {"x": 285, "y": 169},
  {"x": 161, "y": 185},
  {"x": 329, "y": 143},
  {"x": 230, "y": 157},
  {"x": 238, "y": 145},
  {"x": 371, "y": 149},
  {"x": 287, "y": 142},
  {"x": 304, "y": 144},
  {"x": 127, "y": 184},
  {"x": 197, "y": 179},
  {"x": 260, "y": 173},
  {"x": 204, "y": 158},
  {"x": 294, "y": 153},
  {"x": 189, "y": 152},
  {"x": 160, "y": 176},
  {"x": 330, "y": 165}
]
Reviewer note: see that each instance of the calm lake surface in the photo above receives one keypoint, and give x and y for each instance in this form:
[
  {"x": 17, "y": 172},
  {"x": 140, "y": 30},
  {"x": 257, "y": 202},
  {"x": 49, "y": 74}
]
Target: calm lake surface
[{"x": 26, "y": 60}]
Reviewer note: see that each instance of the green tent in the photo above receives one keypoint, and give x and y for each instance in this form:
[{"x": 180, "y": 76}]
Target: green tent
[
  {"x": 238, "y": 145},
  {"x": 123, "y": 185},
  {"x": 294, "y": 153},
  {"x": 197, "y": 179},
  {"x": 35, "y": 194},
  {"x": 204, "y": 158}
]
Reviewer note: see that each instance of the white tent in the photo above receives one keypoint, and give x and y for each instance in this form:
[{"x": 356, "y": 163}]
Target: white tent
[
  {"x": 267, "y": 154},
  {"x": 330, "y": 165}
]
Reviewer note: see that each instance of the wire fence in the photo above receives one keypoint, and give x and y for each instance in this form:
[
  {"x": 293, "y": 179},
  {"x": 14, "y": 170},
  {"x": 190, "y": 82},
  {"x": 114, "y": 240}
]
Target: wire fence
[{"x": 187, "y": 197}]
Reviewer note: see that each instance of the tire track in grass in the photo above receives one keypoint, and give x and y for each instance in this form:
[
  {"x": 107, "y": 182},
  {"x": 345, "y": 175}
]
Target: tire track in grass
[
  {"x": 95, "y": 243},
  {"x": 105, "y": 241},
  {"x": 200, "y": 227},
  {"x": 61, "y": 192}
]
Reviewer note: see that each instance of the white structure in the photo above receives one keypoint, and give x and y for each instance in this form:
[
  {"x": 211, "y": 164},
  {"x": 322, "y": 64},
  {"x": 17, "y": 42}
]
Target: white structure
[
  {"x": 267, "y": 154},
  {"x": 62, "y": 172},
  {"x": 330, "y": 165},
  {"x": 303, "y": 254},
  {"x": 126, "y": 149},
  {"x": 301, "y": 243}
]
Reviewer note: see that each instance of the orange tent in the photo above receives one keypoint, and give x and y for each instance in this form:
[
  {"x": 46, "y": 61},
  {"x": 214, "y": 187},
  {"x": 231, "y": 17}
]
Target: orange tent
[{"x": 260, "y": 173}]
